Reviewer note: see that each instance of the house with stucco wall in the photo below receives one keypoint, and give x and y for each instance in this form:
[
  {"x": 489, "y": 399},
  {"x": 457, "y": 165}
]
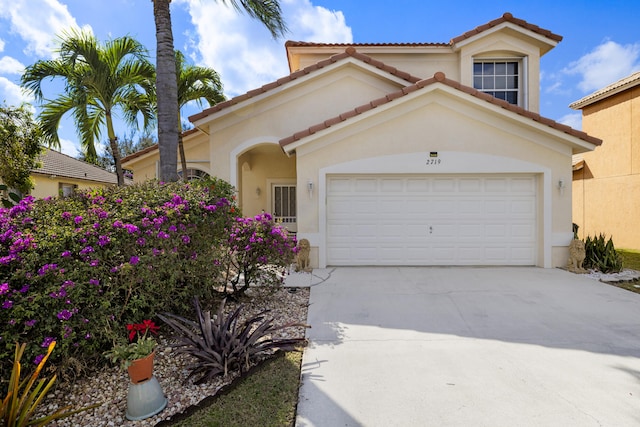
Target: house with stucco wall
[
  {"x": 401, "y": 154},
  {"x": 606, "y": 181},
  {"x": 60, "y": 175}
]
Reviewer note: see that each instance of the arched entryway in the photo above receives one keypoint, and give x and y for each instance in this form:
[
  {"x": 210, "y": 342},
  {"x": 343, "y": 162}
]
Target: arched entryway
[{"x": 267, "y": 183}]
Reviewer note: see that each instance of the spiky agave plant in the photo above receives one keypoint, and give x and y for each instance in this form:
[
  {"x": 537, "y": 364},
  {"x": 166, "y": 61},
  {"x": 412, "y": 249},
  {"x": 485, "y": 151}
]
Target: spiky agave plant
[{"x": 224, "y": 343}]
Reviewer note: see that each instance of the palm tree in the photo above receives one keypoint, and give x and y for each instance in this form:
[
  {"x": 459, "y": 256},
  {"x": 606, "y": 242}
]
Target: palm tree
[
  {"x": 99, "y": 79},
  {"x": 194, "y": 84},
  {"x": 266, "y": 11}
]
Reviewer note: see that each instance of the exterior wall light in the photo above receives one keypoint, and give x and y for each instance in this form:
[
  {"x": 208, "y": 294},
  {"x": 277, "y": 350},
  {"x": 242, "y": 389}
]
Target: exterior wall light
[{"x": 310, "y": 187}]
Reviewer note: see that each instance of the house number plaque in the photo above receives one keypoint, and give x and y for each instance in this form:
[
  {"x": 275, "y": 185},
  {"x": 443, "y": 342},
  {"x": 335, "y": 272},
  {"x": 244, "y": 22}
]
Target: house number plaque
[{"x": 433, "y": 159}]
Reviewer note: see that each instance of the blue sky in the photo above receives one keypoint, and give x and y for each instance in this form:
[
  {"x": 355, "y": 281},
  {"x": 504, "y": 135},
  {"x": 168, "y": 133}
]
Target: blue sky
[{"x": 601, "y": 38}]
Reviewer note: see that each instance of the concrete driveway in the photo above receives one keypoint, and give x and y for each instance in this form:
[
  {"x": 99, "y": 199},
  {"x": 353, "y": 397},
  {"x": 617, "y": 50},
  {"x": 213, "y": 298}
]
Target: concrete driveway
[{"x": 469, "y": 347}]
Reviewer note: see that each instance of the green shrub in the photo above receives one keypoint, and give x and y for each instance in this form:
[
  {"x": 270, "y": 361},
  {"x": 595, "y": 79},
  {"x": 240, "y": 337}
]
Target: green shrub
[
  {"x": 601, "y": 255},
  {"x": 77, "y": 270}
]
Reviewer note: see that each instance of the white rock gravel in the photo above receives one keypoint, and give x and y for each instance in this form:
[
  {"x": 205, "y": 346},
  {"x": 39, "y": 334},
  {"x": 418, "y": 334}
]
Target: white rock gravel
[
  {"x": 110, "y": 385},
  {"x": 626, "y": 275}
]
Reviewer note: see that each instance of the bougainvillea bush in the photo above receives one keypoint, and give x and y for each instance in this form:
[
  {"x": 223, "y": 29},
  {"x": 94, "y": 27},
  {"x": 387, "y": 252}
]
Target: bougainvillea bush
[
  {"x": 78, "y": 269},
  {"x": 257, "y": 252}
]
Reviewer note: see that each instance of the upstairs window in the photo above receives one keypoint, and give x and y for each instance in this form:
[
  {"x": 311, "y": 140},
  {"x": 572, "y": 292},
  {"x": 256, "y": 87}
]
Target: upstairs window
[{"x": 498, "y": 78}]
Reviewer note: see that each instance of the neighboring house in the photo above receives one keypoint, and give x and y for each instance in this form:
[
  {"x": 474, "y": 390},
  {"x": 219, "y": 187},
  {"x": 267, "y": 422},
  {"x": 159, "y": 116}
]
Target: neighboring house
[
  {"x": 606, "y": 182},
  {"x": 385, "y": 154},
  {"x": 60, "y": 174}
]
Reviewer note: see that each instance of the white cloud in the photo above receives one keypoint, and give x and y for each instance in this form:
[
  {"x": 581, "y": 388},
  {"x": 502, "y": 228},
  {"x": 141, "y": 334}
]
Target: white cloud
[
  {"x": 37, "y": 22},
  {"x": 574, "y": 120},
  {"x": 9, "y": 65},
  {"x": 605, "y": 64},
  {"x": 2, "y": 44},
  {"x": 69, "y": 147},
  {"x": 12, "y": 93},
  {"x": 242, "y": 50}
]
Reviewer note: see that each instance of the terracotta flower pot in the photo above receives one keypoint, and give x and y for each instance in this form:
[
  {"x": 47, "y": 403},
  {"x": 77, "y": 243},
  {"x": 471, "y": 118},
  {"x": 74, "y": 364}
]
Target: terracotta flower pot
[{"x": 141, "y": 370}]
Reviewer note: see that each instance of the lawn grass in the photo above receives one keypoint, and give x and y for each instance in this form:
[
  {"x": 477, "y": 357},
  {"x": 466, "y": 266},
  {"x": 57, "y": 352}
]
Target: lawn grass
[
  {"x": 631, "y": 260},
  {"x": 267, "y": 397}
]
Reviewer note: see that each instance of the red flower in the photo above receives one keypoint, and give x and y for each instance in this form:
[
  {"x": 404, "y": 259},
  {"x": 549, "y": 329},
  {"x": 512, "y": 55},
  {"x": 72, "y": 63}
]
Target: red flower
[{"x": 142, "y": 328}]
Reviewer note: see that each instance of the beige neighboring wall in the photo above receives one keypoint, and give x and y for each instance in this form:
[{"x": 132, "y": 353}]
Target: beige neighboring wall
[
  {"x": 47, "y": 186},
  {"x": 607, "y": 186}
]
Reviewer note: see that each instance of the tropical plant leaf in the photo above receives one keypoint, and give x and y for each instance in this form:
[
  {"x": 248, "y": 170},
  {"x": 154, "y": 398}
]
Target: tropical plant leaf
[{"x": 224, "y": 343}]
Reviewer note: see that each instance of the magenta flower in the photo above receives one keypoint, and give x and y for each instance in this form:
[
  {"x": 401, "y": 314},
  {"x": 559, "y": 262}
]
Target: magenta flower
[
  {"x": 7, "y": 304},
  {"x": 77, "y": 219},
  {"x": 30, "y": 323},
  {"x": 65, "y": 254},
  {"x": 94, "y": 282},
  {"x": 66, "y": 215},
  {"x": 134, "y": 260},
  {"x": 38, "y": 359},
  {"x": 64, "y": 315},
  {"x": 131, "y": 228},
  {"x": 47, "y": 341},
  {"x": 4, "y": 288}
]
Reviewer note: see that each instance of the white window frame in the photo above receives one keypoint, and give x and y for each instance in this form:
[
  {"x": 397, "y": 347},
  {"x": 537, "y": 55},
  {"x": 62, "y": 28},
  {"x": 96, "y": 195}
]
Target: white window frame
[{"x": 522, "y": 90}]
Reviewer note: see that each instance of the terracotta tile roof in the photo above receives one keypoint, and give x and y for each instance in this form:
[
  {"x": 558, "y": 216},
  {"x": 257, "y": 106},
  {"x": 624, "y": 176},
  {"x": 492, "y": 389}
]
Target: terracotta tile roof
[
  {"x": 155, "y": 146},
  {"x": 140, "y": 153},
  {"x": 507, "y": 17},
  {"x": 438, "y": 77},
  {"x": 61, "y": 165},
  {"x": 349, "y": 52},
  {"x": 621, "y": 85},
  {"x": 293, "y": 43}
]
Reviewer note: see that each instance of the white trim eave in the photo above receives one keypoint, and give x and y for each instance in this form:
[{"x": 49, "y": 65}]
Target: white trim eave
[{"x": 508, "y": 25}]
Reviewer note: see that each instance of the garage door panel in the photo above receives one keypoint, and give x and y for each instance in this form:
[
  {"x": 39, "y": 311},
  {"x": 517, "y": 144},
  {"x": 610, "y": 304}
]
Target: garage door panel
[{"x": 431, "y": 220}]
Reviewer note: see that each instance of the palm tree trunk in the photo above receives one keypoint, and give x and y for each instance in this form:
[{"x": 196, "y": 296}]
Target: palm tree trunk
[
  {"x": 183, "y": 159},
  {"x": 167, "y": 92},
  {"x": 115, "y": 150}
]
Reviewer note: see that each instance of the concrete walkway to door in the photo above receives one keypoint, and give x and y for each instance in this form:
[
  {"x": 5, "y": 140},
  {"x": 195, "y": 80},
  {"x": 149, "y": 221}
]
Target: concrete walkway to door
[{"x": 469, "y": 347}]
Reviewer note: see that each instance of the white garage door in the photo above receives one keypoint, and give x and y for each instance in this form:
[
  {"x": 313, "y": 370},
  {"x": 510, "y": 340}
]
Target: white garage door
[{"x": 431, "y": 220}]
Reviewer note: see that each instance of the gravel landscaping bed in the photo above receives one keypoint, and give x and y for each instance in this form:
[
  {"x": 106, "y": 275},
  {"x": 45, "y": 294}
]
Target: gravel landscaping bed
[{"x": 110, "y": 384}]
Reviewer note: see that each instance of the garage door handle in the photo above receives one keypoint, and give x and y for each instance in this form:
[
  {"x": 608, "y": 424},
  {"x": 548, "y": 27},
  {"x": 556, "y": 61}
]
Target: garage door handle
[{"x": 430, "y": 230}]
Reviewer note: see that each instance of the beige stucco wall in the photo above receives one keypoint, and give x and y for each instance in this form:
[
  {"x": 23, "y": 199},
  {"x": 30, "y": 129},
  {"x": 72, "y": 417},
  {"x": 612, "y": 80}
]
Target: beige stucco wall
[
  {"x": 471, "y": 141},
  {"x": 46, "y": 186},
  {"x": 336, "y": 91},
  {"x": 605, "y": 196}
]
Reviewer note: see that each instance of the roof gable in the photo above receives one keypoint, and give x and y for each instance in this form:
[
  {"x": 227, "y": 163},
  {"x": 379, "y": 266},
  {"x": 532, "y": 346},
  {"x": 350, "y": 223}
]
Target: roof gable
[
  {"x": 290, "y": 143},
  {"x": 350, "y": 52},
  {"x": 506, "y": 18}
]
